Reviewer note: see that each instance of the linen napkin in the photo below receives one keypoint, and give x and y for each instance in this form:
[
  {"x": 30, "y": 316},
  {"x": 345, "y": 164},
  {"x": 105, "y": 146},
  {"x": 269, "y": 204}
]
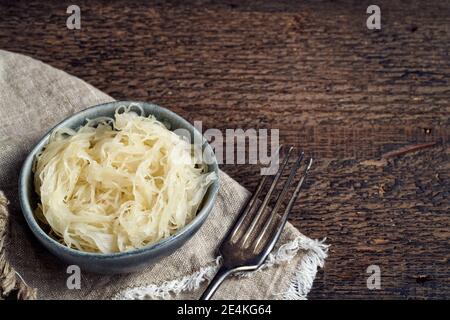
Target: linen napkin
[{"x": 33, "y": 98}]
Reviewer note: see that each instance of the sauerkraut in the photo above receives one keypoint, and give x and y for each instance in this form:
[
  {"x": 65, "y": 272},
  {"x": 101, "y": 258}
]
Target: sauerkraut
[{"x": 118, "y": 184}]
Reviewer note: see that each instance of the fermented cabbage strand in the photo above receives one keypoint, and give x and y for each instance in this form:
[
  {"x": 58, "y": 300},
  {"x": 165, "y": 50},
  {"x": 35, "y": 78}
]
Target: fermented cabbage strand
[{"x": 118, "y": 184}]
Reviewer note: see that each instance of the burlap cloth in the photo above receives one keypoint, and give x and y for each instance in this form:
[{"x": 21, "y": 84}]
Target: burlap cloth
[{"x": 33, "y": 98}]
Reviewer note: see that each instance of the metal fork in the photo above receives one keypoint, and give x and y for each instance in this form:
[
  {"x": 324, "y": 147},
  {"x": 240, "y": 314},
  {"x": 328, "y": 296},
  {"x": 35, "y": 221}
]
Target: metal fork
[{"x": 254, "y": 234}]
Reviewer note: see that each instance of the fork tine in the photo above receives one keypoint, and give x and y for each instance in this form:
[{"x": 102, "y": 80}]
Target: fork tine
[
  {"x": 279, "y": 200},
  {"x": 248, "y": 208},
  {"x": 263, "y": 206},
  {"x": 251, "y": 202},
  {"x": 277, "y": 231}
]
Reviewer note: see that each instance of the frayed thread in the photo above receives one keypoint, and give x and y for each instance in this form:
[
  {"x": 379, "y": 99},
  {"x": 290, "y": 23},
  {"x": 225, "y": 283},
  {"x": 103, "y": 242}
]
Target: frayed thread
[
  {"x": 171, "y": 288},
  {"x": 306, "y": 270},
  {"x": 10, "y": 280},
  {"x": 298, "y": 288}
]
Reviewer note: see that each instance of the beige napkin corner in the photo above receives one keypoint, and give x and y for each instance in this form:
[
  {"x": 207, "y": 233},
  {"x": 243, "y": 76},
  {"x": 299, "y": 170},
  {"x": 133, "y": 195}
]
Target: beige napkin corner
[{"x": 34, "y": 97}]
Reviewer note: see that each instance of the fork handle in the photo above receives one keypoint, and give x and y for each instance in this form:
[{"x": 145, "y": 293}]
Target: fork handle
[{"x": 216, "y": 282}]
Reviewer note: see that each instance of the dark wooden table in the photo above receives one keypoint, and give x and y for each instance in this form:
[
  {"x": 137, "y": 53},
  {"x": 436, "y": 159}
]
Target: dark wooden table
[{"x": 345, "y": 94}]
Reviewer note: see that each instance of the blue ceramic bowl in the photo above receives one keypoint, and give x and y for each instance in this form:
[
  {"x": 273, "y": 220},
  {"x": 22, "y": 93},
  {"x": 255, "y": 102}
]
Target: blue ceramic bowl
[{"x": 125, "y": 261}]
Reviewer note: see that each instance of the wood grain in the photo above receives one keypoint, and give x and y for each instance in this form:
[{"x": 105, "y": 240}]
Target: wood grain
[{"x": 343, "y": 93}]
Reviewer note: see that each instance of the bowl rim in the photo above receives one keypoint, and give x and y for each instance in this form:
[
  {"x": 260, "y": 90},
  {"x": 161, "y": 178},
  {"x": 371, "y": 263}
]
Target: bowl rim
[{"x": 26, "y": 170}]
